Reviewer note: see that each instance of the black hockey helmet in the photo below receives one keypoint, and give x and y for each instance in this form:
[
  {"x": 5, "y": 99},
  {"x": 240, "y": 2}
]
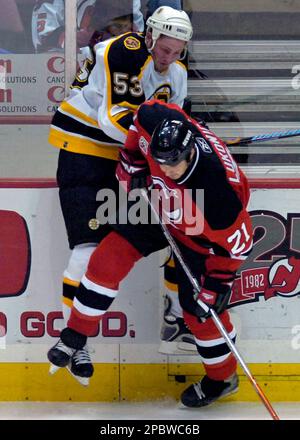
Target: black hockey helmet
[{"x": 171, "y": 142}]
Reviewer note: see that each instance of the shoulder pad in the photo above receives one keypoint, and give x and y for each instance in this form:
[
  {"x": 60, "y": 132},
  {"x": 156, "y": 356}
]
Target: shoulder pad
[{"x": 128, "y": 51}]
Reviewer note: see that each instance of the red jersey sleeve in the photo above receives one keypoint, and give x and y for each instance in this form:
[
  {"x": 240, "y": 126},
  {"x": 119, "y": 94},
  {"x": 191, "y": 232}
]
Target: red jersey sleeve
[{"x": 236, "y": 243}]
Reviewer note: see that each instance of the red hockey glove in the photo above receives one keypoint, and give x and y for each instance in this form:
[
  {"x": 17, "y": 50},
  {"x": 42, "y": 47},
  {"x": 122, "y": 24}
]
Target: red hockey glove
[{"x": 133, "y": 172}]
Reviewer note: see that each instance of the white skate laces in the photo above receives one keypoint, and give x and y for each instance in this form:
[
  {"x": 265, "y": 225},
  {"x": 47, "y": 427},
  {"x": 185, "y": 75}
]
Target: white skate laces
[{"x": 77, "y": 362}]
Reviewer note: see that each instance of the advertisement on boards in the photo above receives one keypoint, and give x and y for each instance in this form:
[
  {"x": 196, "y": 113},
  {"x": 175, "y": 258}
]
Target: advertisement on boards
[{"x": 265, "y": 300}]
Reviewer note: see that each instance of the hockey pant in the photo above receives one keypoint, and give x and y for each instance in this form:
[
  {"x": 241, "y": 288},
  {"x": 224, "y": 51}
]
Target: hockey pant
[
  {"x": 110, "y": 263},
  {"x": 79, "y": 178}
]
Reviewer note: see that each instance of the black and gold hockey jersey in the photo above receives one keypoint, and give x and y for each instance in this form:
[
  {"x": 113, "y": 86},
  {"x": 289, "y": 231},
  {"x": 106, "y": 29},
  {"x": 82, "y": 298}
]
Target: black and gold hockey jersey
[{"x": 110, "y": 86}]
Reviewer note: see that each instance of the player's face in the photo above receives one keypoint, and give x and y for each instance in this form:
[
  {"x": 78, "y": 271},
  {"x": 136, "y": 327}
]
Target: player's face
[
  {"x": 166, "y": 51},
  {"x": 174, "y": 172}
]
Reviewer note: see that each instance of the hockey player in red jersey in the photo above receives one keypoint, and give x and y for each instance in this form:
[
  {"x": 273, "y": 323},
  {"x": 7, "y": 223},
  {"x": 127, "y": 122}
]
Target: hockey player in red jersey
[
  {"x": 92, "y": 123},
  {"x": 203, "y": 196}
]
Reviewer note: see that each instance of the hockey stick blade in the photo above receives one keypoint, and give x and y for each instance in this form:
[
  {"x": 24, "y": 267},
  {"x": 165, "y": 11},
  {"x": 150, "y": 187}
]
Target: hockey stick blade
[{"x": 263, "y": 137}]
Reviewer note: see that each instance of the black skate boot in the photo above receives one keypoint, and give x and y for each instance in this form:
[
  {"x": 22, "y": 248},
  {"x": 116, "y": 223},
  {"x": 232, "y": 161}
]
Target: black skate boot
[
  {"x": 208, "y": 391},
  {"x": 175, "y": 336},
  {"x": 81, "y": 366},
  {"x": 60, "y": 355}
]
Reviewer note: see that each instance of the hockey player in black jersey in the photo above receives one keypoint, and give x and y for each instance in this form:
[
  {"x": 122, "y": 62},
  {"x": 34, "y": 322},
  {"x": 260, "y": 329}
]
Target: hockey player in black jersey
[
  {"x": 203, "y": 198},
  {"x": 92, "y": 123}
]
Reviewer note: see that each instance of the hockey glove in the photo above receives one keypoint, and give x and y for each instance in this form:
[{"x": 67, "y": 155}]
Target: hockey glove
[
  {"x": 133, "y": 172},
  {"x": 215, "y": 294},
  {"x": 141, "y": 180}
]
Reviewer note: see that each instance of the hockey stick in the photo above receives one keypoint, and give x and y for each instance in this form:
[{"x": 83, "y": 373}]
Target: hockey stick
[
  {"x": 264, "y": 137},
  {"x": 207, "y": 309}
]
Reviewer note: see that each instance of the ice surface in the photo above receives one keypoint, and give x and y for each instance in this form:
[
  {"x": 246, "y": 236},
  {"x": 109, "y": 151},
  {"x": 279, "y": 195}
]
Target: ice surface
[{"x": 158, "y": 410}]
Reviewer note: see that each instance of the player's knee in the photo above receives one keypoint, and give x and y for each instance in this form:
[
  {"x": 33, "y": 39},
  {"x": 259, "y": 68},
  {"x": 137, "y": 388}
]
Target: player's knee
[
  {"x": 112, "y": 261},
  {"x": 207, "y": 329}
]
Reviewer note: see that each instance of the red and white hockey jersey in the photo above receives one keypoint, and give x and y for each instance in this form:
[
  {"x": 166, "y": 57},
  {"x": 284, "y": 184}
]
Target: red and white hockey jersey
[{"x": 205, "y": 208}]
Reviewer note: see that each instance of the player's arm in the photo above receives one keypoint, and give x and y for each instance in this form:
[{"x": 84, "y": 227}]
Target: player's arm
[
  {"x": 132, "y": 170},
  {"x": 180, "y": 84},
  {"x": 231, "y": 248},
  {"x": 84, "y": 71},
  {"x": 228, "y": 230},
  {"x": 123, "y": 61},
  {"x": 235, "y": 243}
]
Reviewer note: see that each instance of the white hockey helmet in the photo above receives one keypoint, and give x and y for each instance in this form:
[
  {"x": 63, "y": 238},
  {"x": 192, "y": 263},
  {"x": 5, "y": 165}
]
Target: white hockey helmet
[{"x": 170, "y": 22}]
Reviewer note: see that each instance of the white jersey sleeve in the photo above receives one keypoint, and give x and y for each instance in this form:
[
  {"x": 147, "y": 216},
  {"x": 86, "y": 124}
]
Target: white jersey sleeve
[
  {"x": 138, "y": 19},
  {"x": 179, "y": 78},
  {"x": 46, "y": 18}
]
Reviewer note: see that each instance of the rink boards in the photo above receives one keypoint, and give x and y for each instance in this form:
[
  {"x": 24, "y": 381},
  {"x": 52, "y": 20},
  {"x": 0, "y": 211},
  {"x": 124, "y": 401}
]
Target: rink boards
[{"x": 265, "y": 307}]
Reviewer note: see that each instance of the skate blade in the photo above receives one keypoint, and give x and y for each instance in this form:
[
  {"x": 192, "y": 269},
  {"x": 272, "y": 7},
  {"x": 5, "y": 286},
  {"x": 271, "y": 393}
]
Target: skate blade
[
  {"x": 229, "y": 393},
  {"x": 187, "y": 348},
  {"x": 196, "y": 408},
  {"x": 53, "y": 369},
  {"x": 177, "y": 348},
  {"x": 85, "y": 381}
]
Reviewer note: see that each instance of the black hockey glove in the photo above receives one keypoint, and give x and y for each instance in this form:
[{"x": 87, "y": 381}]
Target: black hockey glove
[
  {"x": 140, "y": 180},
  {"x": 215, "y": 294}
]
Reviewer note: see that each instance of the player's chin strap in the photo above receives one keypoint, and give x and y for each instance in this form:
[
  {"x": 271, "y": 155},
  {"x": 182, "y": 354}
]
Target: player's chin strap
[
  {"x": 182, "y": 56},
  {"x": 154, "y": 40},
  {"x": 207, "y": 309}
]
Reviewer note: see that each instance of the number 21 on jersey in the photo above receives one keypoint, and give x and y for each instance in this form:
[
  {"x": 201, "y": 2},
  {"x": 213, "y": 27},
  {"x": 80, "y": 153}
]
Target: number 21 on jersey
[{"x": 239, "y": 240}]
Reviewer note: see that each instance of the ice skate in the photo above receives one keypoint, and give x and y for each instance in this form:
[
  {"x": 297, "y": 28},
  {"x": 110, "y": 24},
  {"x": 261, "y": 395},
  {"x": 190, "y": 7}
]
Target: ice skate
[
  {"x": 175, "y": 336},
  {"x": 59, "y": 356},
  {"x": 207, "y": 391},
  {"x": 81, "y": 367}
]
